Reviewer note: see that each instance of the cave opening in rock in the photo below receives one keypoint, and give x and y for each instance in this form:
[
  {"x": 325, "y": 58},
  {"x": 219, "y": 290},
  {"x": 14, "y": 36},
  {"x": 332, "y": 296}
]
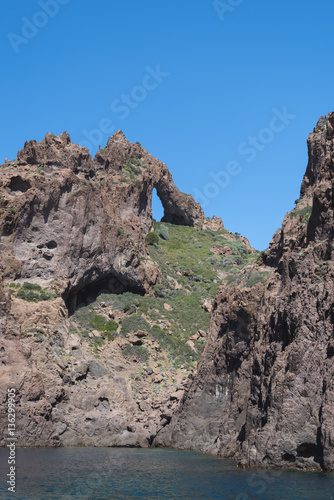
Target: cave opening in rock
[
  {"x": 311, "y": 450},
  {"x": 157, "y": 208},
  {"x": 19, "y": 184},
  {"x": 87, "y": 294}
]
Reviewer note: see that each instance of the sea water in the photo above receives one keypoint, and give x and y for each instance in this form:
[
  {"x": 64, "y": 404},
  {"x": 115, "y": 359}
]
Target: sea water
[{"x": 122, "y": 473}]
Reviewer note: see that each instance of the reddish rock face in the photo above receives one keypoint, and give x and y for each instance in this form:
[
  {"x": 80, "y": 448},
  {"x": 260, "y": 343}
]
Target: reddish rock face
[
  {"x": 83, "y": 222},
  {"x": 77, "y": 226},
  {"x": 264, "y": 391}
]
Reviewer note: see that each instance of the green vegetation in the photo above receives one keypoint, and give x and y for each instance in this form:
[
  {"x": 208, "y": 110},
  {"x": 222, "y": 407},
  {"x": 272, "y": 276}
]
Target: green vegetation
[
  {"x": 261, "y": 256},
  {"x": 188, "y": 257},
  {"x": 179, "y": 352},
  {"x": 304, "y": 213},
  {"x": 132, "y": 323},
  {"x": 31, "y": 292},
  {"x": 152, "y": 238},
  {"x": 14, "y": 285},
  {"x": 135, "y": 351},
  {"x": 126, "y": 302},
  {"x": 100, "y": 323},
  {"x": 256, "y": 277},
  {"x": 170, "y": 328},
  {"x": 193, "y": 264},
  {"x": 135, "y": 161},
  {"x": 163, "y": 232},
  {"x": 324, "y": 123},
  {"x": 87, "y": 320},
  {"x": 249, "y": 279},
  {"x": 31, "y": 286},
  {"x": 132, "y": 168}
]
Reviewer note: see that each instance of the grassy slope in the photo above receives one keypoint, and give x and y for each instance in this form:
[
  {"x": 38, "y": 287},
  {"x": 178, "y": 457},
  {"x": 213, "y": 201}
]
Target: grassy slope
[{"x": 192, "y": 274}]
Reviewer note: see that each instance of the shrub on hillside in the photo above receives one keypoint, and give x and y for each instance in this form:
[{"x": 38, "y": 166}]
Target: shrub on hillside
[
  {"x": 138, "y": 352},
  {"x": 163, "y": 232},
  {"x": 305, "y": 213},
  {"x": 33, "y": 292},
  {"x": 257, "y": 277},
  {"x": 152, "y": 238},
  {"x": 133, "y": 323},
  {"x": 31, "y": 286},
  {"x": 88, "y": 319}
]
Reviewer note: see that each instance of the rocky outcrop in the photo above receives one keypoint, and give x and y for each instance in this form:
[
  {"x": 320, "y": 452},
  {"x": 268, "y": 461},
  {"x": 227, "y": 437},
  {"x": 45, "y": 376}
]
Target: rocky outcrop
[
  {"x": 83, "y": 222},
  {"x": 264, "y": 390},
  {"x": 72, "y": 227},
  {"x": 75, "y": 227},
  {"x": 4, "y": 305}
]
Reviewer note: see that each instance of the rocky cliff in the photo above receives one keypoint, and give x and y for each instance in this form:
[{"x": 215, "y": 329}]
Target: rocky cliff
[
  {"x": 64, "y": 216},
  {"x": 264, "y": 390},
  {"x": 93, "y": 332},
  {"x": 72, "y": 228}
]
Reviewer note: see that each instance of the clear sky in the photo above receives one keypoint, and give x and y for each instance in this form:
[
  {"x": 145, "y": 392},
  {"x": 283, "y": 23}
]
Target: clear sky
[{"x": 224, "y": 92}]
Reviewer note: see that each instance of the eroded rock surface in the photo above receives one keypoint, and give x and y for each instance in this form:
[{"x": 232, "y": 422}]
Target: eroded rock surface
[
  {"x": 70, "y": 228},
  {"x": 65, "y": 216},
  {"x": 264, "y": 390}
]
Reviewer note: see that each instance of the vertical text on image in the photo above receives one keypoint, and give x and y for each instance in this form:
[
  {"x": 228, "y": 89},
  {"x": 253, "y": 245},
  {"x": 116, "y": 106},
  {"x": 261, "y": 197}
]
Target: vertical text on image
[{"x": 11, "y": 438}]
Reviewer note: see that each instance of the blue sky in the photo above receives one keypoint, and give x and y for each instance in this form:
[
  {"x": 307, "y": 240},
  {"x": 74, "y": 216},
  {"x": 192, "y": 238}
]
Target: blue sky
[{"x": 225, "y": 92}]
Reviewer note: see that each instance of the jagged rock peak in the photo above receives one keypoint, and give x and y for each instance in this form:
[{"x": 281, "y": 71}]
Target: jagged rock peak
[
  {"x": 59, "y": 196},
  {"x": 119, "y": 140},
  {"x": 65, "y": 137},
  {"x": 264, "y": 389},
  {"x": 55, "y": 151},
  {"x": 320, "y": 149},
  {"x": 118, "y": 136},
  {"x": 311, "y": 220}
]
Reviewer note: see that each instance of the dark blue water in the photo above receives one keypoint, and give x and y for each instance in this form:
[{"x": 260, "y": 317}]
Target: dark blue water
[{"x": 122, "y": 473}]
